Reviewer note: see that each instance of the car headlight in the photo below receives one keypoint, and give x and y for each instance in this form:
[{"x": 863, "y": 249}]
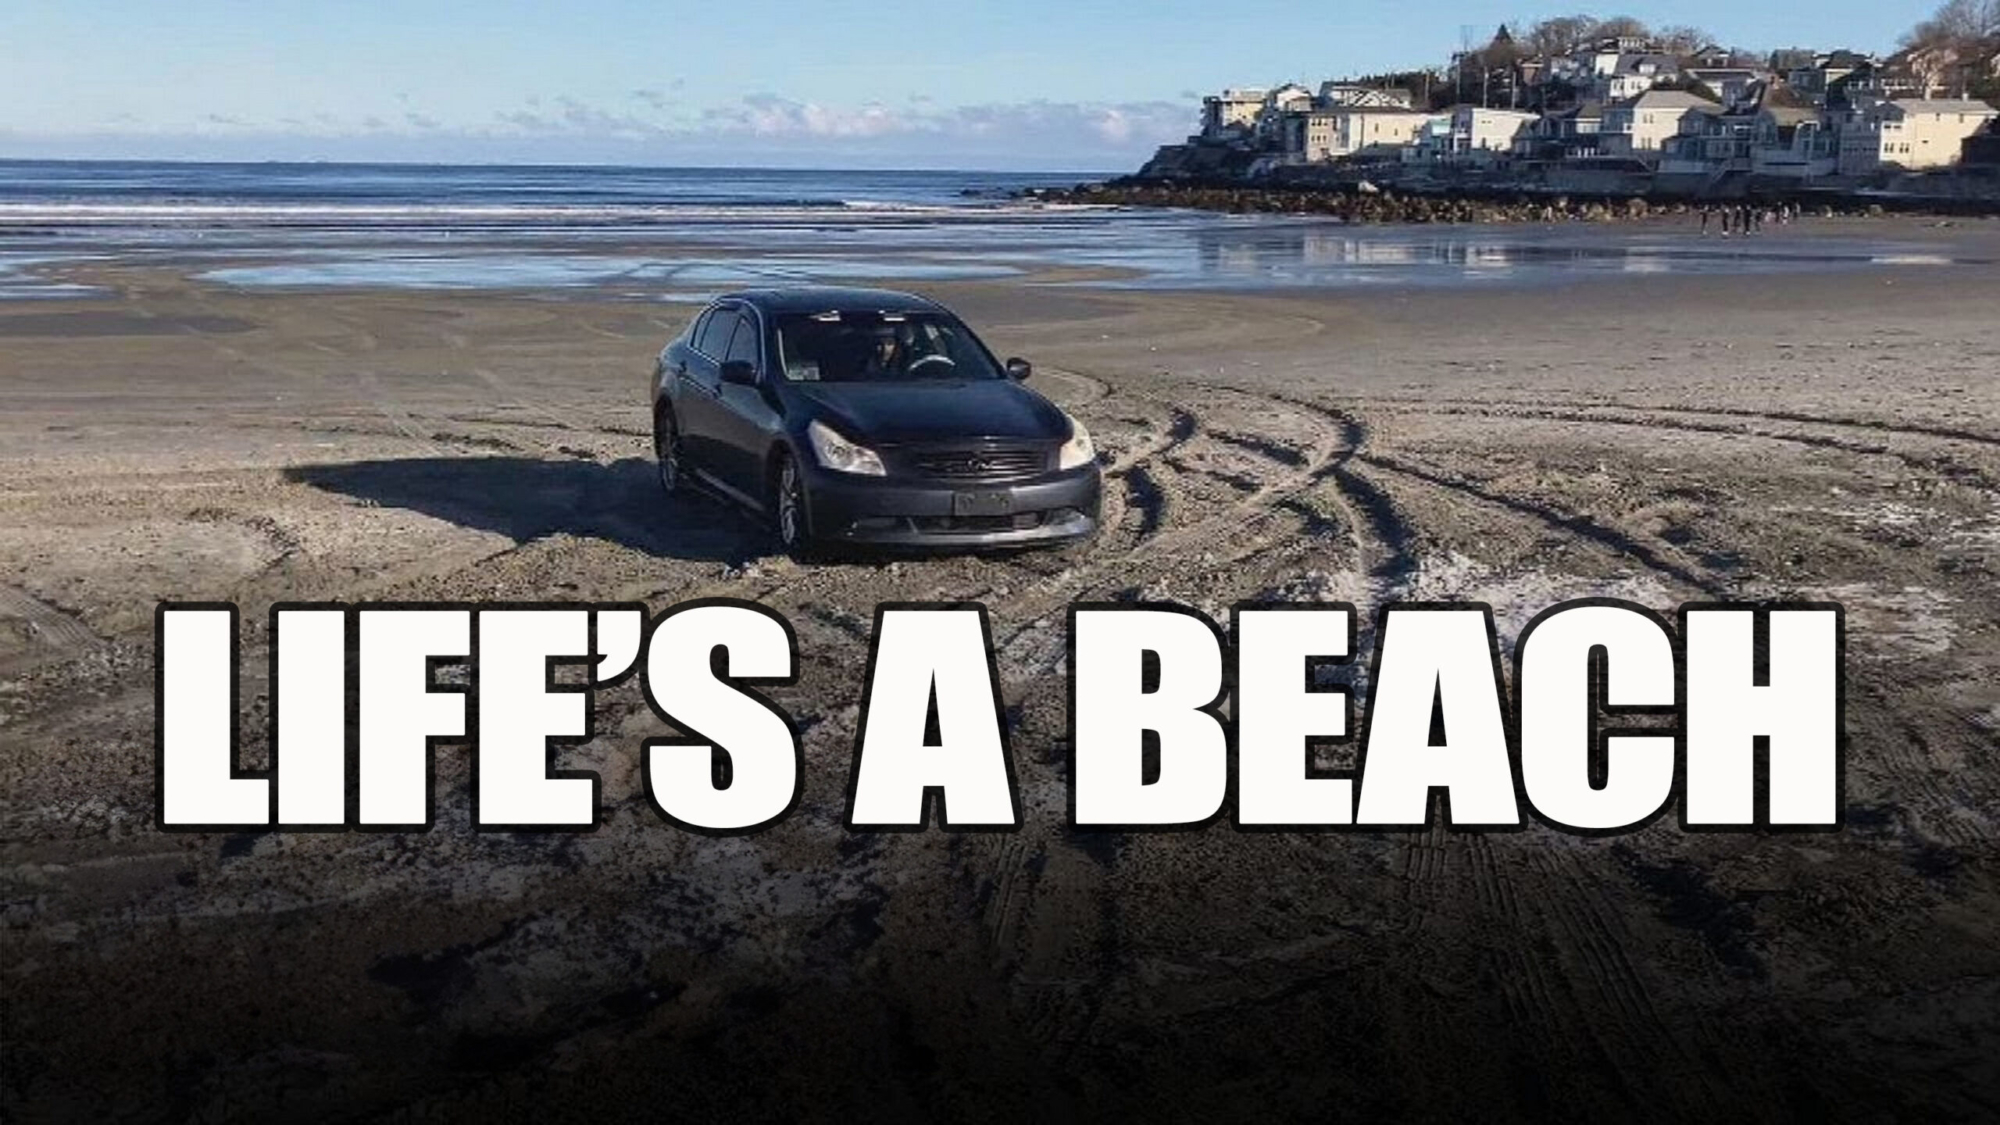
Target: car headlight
[
  {"x": 1077, "y": 451},
  {"x": 841, "y": 455}
]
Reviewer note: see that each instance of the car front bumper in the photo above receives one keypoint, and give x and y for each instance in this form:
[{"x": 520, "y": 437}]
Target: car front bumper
[{"x": 1054, "y": 508}]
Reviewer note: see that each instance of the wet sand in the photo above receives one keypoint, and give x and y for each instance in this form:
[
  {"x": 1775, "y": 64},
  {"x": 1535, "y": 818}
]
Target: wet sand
[{"x": 1823, "y": 436}]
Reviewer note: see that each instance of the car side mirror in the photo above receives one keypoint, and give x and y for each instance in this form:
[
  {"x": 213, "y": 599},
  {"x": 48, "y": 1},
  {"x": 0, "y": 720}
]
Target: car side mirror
[
  {"x": 739, "y": 372},
  {"x": 1019, "y": 369}
]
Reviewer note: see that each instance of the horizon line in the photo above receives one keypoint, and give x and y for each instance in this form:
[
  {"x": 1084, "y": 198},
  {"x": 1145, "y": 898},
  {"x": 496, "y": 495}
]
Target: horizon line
[{"x": 4, "y": 160}]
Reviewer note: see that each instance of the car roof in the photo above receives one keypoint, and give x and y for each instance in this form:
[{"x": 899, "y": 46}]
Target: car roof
[{"x": 832, "y": 298}]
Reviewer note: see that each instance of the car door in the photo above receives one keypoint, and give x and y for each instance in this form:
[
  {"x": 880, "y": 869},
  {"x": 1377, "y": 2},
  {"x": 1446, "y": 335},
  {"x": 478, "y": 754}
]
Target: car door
[
  {"x": 746, "y": 418},
  {"x": 699, "y": 403}
]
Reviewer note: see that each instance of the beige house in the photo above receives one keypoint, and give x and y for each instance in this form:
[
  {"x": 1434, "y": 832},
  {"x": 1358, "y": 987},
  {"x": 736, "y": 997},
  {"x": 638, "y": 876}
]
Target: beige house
[
  {"x": 1232, "y": 113},
  {"x": 1641, "y": 125},
  {"x": 1345, "y": 131},
  {"x": 1908, "y": 135}
]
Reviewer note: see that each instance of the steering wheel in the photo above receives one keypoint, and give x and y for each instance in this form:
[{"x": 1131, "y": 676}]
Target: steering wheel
[{"x": 934, "y": 357}]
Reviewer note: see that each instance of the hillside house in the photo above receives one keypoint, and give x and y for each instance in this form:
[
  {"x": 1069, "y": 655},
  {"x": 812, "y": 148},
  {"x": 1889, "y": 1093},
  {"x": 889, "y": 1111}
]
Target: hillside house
[
  {"x": 1908, "y": 135},
  {"x": 1231, "y": 115},
  {"x": 1794, "y": 143},
  {"x": 1479, "y": 135},
  {"x": 1351, "y": 131},
  {"x": 1630, "y": 75},
  {"x": 1641, "y": 126},
  {"x": 1563, "y": 134}
]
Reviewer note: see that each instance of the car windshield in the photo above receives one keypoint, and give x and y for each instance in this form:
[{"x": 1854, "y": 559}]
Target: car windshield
[{"x": 876, "y": 347}]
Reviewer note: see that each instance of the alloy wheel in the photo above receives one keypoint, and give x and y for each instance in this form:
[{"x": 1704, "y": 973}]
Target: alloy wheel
[
  {"x": 667, "y": 453},
  {"x": 791, "y": 506}
]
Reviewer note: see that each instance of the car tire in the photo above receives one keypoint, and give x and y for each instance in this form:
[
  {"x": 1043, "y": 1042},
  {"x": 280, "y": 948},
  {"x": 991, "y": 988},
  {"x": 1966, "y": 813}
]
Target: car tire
[
  {"x": 667, "y": 452},
  {"x": 788, "y": 510}
]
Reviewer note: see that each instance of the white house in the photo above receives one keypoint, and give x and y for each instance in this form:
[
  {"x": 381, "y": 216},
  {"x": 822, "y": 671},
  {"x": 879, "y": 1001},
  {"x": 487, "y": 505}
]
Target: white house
[
  {"x": 1479, "y": 134},
  {"x": 1631, "y": 75},
  {"x": 1640, "y": 126}
]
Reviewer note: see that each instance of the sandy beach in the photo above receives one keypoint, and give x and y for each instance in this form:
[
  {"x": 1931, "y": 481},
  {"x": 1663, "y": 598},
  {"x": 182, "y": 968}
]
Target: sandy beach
[{"x": 1816, "y": 434}]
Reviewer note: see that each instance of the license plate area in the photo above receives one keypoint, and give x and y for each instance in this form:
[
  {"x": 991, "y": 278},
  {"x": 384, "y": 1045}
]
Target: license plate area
[{"x": 987, "y": 503}]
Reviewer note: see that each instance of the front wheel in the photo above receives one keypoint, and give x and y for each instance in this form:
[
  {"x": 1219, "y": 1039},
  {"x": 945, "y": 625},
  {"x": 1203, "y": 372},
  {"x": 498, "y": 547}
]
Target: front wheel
[
  {"x": 788, "y": 509},
  {"x": 667, "y": 451}
]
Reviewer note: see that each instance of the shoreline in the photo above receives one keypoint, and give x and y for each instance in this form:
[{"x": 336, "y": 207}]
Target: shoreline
[
  {"x": 1353, "y": 197},
  {"x": 1108, "y": 249}
]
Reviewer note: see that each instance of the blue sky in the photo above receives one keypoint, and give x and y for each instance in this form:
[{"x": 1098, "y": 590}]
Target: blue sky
[{"x": 1062, "y": 84}]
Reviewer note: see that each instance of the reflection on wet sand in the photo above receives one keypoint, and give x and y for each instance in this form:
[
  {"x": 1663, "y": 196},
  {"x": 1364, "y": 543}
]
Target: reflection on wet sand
[{"x": 1128, "y": 250}]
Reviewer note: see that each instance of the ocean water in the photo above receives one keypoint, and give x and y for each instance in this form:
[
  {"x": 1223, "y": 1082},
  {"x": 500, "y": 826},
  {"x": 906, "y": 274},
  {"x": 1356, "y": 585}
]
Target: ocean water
[
  {"x": 679, "y": 234},
  {"x": 145, "y": 194}
]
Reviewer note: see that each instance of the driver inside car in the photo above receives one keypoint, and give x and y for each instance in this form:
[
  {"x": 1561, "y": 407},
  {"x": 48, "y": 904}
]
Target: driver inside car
[{"x": 887, "y": 358}]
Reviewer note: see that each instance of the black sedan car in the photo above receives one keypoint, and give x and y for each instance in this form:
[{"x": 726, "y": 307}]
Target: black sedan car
[{"x": 864, "y": 416}]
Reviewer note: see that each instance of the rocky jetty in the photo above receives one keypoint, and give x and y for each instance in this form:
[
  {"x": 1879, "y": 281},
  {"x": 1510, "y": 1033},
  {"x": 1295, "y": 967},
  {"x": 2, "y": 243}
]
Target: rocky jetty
[
  {"x": 1360, "y": 205},
  {"x": 1365, "y": 203}
]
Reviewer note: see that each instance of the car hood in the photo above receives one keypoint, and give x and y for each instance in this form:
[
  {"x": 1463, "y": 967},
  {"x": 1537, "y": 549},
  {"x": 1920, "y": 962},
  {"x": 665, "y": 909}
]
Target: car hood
[{"x": 919, "y": 411}]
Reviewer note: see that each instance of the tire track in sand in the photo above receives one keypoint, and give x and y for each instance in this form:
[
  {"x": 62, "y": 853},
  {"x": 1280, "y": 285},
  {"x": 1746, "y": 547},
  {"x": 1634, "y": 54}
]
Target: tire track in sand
[{"x": 57, "y": 633}]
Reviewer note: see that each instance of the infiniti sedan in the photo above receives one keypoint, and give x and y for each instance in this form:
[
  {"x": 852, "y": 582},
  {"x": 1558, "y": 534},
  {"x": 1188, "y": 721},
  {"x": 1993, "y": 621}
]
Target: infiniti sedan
[{"x": 864, "y": 416}]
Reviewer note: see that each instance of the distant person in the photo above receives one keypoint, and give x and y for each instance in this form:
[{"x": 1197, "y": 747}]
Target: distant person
[
  {"x": 1727, "y": 215},
  {"x": 1705, "y": 212}
]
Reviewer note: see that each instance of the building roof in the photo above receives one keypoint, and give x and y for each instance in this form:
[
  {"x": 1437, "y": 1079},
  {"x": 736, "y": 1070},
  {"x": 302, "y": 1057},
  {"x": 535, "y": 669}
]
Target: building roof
[
  {"x": 1630, "y": 63},
  {"x": 1668, "y": 99},
  {"x": 1776, "y": 93},
  {"x": 1941, "y": 105},
  {"x": 1361, "y": 110}
]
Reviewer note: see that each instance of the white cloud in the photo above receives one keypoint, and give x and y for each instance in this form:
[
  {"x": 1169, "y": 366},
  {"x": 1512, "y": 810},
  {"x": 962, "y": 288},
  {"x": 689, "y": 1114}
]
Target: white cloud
[{"x": 651, "y": 125}]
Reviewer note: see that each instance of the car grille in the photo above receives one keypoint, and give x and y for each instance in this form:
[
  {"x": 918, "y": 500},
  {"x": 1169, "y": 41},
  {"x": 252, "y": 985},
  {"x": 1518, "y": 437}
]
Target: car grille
[
  {"x": 979, "y": 464},
  {"x": 974, "y": 525}
]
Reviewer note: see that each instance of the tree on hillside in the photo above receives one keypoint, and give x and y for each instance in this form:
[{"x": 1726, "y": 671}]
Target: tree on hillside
[
  {"x": 1560, "y": 35},
  {"x": 1683, "y": 41},
  {"x": 1957, "y": 45},
  {"x": 1503, "y": 52},
  {"x": 1619, "y": 26}
]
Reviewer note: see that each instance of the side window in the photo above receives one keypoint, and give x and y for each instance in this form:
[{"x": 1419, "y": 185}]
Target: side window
[
  {"x": 694, "y": 330},
  {"x": 715, "y": 334},
  {"x": 743, "y": 345}
]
